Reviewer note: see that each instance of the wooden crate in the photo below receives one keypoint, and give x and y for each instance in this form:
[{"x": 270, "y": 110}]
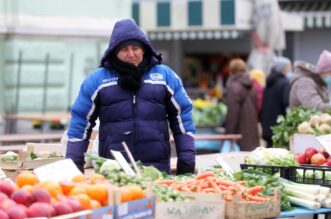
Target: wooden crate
[
  {"x": 24, "y": 162},
  {"x": 237, "y": 209},
  {"x": 200, "y": 205}
]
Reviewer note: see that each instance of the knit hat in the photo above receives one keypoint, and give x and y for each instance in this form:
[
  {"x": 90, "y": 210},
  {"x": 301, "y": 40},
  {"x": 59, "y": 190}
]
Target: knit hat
[
  {"x": 130, "y": 42},
  {"x": 258, "y": 75},
  {"x": 280, "y": 63},
  {"x": 324, "y": 62}
]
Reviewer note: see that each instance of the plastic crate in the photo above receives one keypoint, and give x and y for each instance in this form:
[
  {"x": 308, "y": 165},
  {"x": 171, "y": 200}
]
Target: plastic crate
[
  {"x": 284, "y": 171},
  {"x": 308, "y": 174}
]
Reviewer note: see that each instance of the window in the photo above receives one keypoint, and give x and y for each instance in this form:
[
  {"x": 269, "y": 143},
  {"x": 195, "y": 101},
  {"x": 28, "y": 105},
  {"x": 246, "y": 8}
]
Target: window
[
  {"x": 163, "y": 14},
  {"x": 194, "y": 13},
  {"x": 135, "y": 12},
  {"x": 227, "y": 12}
]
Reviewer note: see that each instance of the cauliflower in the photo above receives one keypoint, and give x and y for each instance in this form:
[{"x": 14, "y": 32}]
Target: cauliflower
[
  {"x": 325, "y": 118},
  {"x": 304, "y": 128},
  {"x": 324, "y": 128},
  {"x": 271, "y": 156},
  {"x": 314, "y": 121}
]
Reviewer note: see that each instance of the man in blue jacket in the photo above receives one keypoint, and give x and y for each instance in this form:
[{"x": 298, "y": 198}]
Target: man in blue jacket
[{"x": 135, "y": 98}]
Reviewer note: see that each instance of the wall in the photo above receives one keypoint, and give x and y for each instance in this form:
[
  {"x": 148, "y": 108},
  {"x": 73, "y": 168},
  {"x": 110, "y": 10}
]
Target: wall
[
  {"x": 310, "y": 43},
  {"x": 62, "y": 28},
  {"x": 68, "y": 8}
]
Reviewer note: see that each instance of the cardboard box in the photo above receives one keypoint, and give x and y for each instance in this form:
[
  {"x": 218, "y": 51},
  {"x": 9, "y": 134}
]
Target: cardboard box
[
  {"x": 299, "y": 142},
  {"x": 238, "y": 209},
  {"x": 100, "y": 213},
  {"x": 200, "y": 205},
  {"x": 142, "y": 208}
]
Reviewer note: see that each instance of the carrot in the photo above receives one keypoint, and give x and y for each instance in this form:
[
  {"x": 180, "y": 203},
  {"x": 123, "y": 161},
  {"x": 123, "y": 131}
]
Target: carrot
[
  {"x": 225, "y": 183},
  {"x": 228, "y": 197},
  {"x": 166, "y": 182},
  {"x": 204, "y": 185},
  {"x": 242, "y": 183},
  {"x": 214, "y": 186},
  {"x": 204, "y": 175},
  {"x": 254, "y": 190},
  {"x": 208, "y": 190},
  {"x": 256, "y": 198}
]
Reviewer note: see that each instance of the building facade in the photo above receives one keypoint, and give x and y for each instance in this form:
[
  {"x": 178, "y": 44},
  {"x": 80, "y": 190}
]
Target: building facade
[
  {"x": 198, "y": 37},
  {"x": 47, "y": 48}
]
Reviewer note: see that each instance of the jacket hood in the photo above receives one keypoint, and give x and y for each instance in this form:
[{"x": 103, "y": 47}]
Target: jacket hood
[
  {"x": 242, "y": 78},
  {"x": 273, "y": 77},
  {"x": 125, "y": 30},
  {"x": 301, "y": 66},
  {"x": 304, "y": 70}
]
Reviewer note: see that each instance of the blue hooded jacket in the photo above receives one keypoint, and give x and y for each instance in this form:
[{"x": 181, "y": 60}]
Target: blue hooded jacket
[{"x": 141, "y": 118}]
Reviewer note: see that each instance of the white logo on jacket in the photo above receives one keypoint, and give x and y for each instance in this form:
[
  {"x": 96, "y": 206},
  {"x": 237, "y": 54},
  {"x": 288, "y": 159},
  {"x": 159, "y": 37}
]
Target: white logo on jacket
[{"x": 156, "y": 76}]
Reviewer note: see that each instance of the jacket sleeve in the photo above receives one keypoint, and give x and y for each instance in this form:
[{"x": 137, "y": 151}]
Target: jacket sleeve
[
  {"x": 306, "y": 92},
  {"x": 179, "y": 109},
  {"x": 83, "y": 115},
  {"x": 286, "y": 94}
]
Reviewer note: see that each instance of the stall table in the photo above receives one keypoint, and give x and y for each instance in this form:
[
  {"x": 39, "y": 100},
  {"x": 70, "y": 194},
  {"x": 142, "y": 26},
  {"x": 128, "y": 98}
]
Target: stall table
[
  {"x": 11, "y": 120},
  {"x": 24, "y": 138}
]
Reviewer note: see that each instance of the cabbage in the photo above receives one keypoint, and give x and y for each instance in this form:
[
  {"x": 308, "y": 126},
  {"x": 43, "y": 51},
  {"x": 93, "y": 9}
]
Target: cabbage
[
  {"x": 271, "y": 156},
  {"x": 109, "y": 166},
  {"x": 151, "y": 173}
]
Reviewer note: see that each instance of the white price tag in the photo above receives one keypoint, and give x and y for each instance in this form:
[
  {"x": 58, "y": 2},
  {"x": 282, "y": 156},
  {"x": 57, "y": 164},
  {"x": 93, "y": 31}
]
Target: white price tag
[
  {"x": 57, "y": 171},
  {"x": 2, "y": 174},
  {"x": 225, "y": 166},
  {"x": 123, "y": 209},
  {"x": 325, "y": 141},
  {"x": 123, "y": 163}
]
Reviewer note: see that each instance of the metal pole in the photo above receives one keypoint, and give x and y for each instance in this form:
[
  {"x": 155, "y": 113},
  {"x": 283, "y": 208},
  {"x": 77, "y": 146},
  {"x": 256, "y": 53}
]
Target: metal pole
[
  {"x": 71, "y": 72},
  {"x": 13, "y": 125},
  {"x": 18, "y": 81},
  {"x": 44, "y": 106}
]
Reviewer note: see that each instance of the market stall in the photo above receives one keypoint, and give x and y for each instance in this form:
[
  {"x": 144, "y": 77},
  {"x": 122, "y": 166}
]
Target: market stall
[{"x": 264, "y": 183}]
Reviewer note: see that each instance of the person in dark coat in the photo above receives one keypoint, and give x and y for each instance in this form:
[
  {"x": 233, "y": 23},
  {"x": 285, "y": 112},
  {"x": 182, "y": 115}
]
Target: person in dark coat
[
  {"x": 276, "y": 96},
  {"x": 241, "y": 101},
  {"x": 136, "y": 99}
]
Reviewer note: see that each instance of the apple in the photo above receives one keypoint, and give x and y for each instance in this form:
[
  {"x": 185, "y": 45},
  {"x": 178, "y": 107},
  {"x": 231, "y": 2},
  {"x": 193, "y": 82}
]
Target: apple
[
  {"x": 310, "y": 151},
  {"x": 320, "y": 149},
  {"x": 328, "y": 162},
  {"x": 325, "y": 154},
  {"x": 302, "y": 159},
  {"x": 318, "y": 159}
]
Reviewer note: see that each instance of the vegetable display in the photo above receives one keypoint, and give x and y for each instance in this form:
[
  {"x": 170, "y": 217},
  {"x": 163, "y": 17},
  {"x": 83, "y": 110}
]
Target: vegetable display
[
  {"x": 208, "y": 113},
  {"x": 271, "y": 156},
  {"x": 316, "y": 125},
  {"x": 288, "y": 125}
]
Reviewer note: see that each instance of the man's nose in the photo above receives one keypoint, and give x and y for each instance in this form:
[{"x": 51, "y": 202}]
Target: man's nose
[{"x": 130, "y": 52}]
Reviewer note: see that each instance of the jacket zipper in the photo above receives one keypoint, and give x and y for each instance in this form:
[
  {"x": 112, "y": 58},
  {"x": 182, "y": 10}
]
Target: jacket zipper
[{"x": 134, "y": 101}]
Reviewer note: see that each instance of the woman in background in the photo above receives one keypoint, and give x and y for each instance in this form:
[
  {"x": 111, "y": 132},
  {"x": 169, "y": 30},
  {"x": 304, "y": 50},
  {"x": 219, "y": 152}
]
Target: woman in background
[
  {"x": 309, "y": 85},
  {"x": 241, "y": 100}
]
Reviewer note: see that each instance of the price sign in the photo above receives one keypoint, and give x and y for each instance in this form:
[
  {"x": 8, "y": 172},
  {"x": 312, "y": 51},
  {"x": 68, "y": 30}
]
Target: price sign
[
  {"x": 57, "y": 171},
  {"x": 123, "y": 163},
  {"x": 225, "y": 166},
  {"x": 325, "y": 141},
  {"x": 2, "y": 174}
]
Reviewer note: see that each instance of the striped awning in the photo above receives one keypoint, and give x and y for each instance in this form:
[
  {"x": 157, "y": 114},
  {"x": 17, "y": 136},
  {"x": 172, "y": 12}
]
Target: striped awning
[
  {"x": 316, "y": 14},
  {"x": 194, "y": 35}
]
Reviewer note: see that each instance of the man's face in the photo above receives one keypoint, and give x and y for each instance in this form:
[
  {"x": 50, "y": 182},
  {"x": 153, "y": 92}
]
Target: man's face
[
  {"x": 131, "y": 54},
  {"x": 287, "y": 69}
]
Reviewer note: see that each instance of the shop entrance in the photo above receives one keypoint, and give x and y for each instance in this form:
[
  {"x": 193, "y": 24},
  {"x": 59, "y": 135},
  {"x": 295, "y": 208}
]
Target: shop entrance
[{"x": 202, "y": 72}]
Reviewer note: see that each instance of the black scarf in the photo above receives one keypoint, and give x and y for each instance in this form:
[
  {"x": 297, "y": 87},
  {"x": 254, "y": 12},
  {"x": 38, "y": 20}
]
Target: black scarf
[{"x": 129, "y": 74}]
